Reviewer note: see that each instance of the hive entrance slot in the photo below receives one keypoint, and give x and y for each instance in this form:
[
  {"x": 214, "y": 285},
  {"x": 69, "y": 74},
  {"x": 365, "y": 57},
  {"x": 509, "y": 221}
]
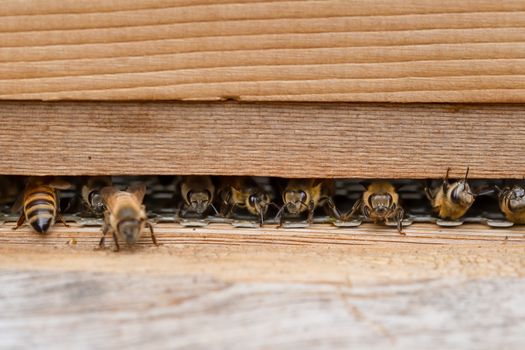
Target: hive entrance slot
[{"x": 165, "y": 203}]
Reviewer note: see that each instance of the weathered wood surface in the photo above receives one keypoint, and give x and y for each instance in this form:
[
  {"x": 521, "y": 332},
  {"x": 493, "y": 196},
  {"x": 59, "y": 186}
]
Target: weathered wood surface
[
  {"x": 364, "y": 255},
  {"x": 271, "y": 139},
  {"x": 415, "y": 51},
  {"x": 257, "y": 289}
]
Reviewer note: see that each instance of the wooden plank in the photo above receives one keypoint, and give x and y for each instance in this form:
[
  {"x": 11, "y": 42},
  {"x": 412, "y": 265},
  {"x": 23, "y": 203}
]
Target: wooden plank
[
  {"x": 50, "y": 309},
  {"x": 369, "y": 254},
  {"x": 365, "y": 50},
  {"x": 271, "y": 139},
  {"x": 216, "y": 287}
]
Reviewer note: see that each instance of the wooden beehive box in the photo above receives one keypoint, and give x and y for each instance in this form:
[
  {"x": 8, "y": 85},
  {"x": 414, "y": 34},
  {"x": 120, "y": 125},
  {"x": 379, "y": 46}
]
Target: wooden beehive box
[{"x": 339, "y": 89}]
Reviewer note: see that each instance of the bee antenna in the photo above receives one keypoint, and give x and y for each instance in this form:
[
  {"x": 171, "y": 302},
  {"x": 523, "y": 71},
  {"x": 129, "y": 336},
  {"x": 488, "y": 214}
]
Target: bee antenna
[
  {"x": 466, "y": 174},
  {"x": 446, "y": 175},
  {"x": 280, "y": 211},
  {"x": 304, "y": 204}
]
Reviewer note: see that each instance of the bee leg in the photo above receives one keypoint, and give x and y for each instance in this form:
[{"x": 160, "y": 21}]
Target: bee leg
[
  {"x": 115, "y": 239},
  {"x": 429, "y": 194},
  {"x": 229, "y": 212},
  {"x": 61, "y": 219},
  {"x": 153, "y": 238},
  {"x": 20, "y": 221},
  {"x": 261, "y": 218},
  {"x": 178, "y": 212},
  {"x": 311, "y": 209},
  {"x": 214, "y": 209},
  {"x": 226, "y": 206},
  {"x": 355, "y": 209},
  {"x": 280, "y": 215},
  {"x": 105, "y": 230},
  {"x": 330, "y": 208},
  {"x": 400, "y": 215}
]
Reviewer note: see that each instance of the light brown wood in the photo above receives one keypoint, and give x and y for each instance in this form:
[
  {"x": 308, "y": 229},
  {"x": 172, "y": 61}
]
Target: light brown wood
[
  {"x": 275, "y": 139},
  {"x": 415, "y": 51},
  {"x": 369, "y": 254},
  {"x": 219, "y": 287}
]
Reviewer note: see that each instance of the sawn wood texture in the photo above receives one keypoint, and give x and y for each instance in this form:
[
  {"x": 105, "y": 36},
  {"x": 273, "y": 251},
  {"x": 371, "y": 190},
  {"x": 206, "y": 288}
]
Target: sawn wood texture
[
  {"x": 363, "y": 50},
  {"x": 341, "y": 140}
]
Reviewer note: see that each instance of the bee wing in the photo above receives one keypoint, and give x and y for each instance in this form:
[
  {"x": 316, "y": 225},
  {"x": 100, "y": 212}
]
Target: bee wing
[
  {"x": 60, "y": 184},
  {"x": 138, "y": 190},
  {"x": 17, "y": 206},
  {"x": 95, "y": 182},
  {"x": 365, "y": 183},
  {"x": 485, "y": 189},
  {"x": 108, "y": 195}
]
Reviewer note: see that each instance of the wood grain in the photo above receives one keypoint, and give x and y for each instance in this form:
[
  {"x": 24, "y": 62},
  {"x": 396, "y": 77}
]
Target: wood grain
[
  {"x": 83, "y": 309},
  {"x": 266, "y": 139},
  {"x": 220, "y": 288},
  {"x": 416, "y": 51},
  {"x": 370, "y": 254}
]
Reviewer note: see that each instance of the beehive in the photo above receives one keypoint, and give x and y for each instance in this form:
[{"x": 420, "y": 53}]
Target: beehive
[{"x": 356, "y": 90}]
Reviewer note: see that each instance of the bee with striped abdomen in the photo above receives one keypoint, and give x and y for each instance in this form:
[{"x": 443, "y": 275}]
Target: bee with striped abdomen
[
  {"x": 125, "y": 215},
  {"x": 91, "y": 193},
  {"x": 302, "y": 195},
  {"x": 40, "y": 203},
  {"x": 379, "y": 203},
  {"x": 243, "y": 192},
  {"x": 197, "y": 194},
  {"x": 512, "y": 203},
  {"x": 451, "y": 200}
]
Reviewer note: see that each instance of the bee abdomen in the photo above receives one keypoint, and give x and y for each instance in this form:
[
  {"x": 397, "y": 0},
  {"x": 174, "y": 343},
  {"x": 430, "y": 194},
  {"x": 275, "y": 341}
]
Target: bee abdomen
[{"x": 40, "y": 210}]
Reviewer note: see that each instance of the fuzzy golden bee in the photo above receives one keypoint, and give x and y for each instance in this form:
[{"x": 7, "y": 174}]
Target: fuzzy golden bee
[
  {"x": 40, "y": 203},
  {"x": 451, "y": 200},
  {"x": 197, "y": 194},
  {"x": 243, "y": 192},
  {"x": 512, "y": 203},
  {"x": 91, "y": 193},
  {"x": 379, "y": 203},
  {"x": 305, "y": 195},
  {"x": 125, "y": 216}
]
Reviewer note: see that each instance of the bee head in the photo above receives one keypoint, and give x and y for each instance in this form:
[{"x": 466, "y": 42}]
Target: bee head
[
  {"x": 258, "y": 202},
  {"x": 295, "y": 200},
  {"x": 381, "y": 203},
  {"x": 130, "y": 229},
  {"x": 129, "y": 224},
  {"x": 96, "y": 202},
  {"x": 460, "y": 193},
  {"x": 199, "y": 200},
  {"x": 517, "y": 197}
]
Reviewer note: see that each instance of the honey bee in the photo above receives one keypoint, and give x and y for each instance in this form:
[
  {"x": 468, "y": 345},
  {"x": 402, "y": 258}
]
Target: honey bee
[
  {"x": 302, "y": 195},
  {"x": 243, "y": 192},
  {"x": 91, "y": 193},
  {"x": 197, "y": 193},
  {"x": 451, "y": 201},
  {"x": 512, "y": 203},
  {"x": 379, "y": 203},
  {"x": 125, "y": 215},
  {"x": 40, "y": 203}
]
